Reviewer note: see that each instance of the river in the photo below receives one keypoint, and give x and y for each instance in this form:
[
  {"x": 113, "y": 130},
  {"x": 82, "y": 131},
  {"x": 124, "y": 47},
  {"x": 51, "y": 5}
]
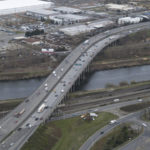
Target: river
[{"x": 23, "y": 88}]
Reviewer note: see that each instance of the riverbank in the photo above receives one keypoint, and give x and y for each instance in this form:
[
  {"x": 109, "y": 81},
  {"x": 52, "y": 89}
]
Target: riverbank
[
  {"x": 81, "y": 96},
  {"x": 132, "y": 50}
]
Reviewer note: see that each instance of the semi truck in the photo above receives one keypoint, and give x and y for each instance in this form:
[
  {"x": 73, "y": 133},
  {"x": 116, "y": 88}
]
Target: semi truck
[
  {"x": 41, "y": 108},
  {"x": 20, "y": 113}
]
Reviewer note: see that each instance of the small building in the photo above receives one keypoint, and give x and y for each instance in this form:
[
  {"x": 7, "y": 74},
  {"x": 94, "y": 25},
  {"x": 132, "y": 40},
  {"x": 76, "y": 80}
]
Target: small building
[
  {"x": 67, "y": 10},
  {"x": 50, "y": 50}
]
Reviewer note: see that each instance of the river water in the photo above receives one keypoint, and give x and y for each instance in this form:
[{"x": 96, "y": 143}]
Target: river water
[{"x": 23, "y": 88}]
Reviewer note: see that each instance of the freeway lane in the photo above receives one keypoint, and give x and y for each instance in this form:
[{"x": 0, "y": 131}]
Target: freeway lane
[{"x": 10, "y": 122}]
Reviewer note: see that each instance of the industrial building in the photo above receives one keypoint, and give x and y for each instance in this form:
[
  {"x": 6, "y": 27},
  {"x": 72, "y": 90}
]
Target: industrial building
[
  {"x": 67, "y": 10},
  {"x": 80, "y": 29},
  {"x": 68, "y": 19},
  {"x": 40, "y": 14},
  {"x": 129, "y": 20},
  {"x": 15, "y": 6},
  {"x": 120, "y": 7}
]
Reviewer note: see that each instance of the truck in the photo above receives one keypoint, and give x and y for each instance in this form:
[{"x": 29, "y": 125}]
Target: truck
[
  {"x": 20, "y": 113},
  {"x": 41, "y": 108},
  {"x": 86, "y": 41},
  {"x": 113, "y": 121}
]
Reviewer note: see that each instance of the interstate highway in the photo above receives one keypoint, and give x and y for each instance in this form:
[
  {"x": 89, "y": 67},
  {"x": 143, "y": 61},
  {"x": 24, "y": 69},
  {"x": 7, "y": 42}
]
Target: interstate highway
[{"x": 8, "y": 124}]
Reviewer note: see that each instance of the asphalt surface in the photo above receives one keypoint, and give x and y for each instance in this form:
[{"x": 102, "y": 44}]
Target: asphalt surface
[{"x": 59, "y": 84}]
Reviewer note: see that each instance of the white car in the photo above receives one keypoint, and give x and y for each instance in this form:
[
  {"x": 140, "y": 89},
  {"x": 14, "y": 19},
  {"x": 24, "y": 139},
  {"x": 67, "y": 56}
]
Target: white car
[
  {"x": 45, "y": 84},
  {"x": 140, "y": 100},
  {"x": 113, "y": 121},
  {"x": 116, "y": 100},
  {"x": 62, "y": 69},
  {"x": 62, "y": 91},
  {"x": 11, "y": 144},
  {"x": 144, "y": 124}
]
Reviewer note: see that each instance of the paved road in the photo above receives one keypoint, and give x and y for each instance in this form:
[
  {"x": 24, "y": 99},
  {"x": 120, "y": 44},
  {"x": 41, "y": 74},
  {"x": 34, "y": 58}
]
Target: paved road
[
  {"x": 98, "y": 135},
  {"x": 59, "y": 83}
]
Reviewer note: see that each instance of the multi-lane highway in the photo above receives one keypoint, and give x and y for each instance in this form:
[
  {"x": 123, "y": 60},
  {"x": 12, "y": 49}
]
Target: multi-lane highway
[{"x": 55, "y": 87}]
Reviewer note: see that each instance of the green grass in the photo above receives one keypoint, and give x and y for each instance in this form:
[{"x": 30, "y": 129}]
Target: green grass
[
  {"x": 6, "y": 105},
  {"x": 116, "y": 87},
  {"x": 67, "y": 134},
  {"x": 135, "y": 107},
  {"x": 117, "y": 137}
]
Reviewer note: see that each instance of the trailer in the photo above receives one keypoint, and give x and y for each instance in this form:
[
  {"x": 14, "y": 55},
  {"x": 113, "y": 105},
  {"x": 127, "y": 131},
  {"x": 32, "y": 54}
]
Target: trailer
[
  {"x": 20, "y": 113},
  {"x": 41, "y": 108}
]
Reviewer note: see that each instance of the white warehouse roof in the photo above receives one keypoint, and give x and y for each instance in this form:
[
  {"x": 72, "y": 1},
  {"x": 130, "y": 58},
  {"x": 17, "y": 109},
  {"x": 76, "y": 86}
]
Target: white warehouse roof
[
  {"x": 43, "y": 11},
  {"x": 76, "y": 30},
  {"x": 120, "y": 7},
  {"x": 67, "y": 10},
  {"x": 71, "y": 17},
  {"x": 14, "y": 6}
]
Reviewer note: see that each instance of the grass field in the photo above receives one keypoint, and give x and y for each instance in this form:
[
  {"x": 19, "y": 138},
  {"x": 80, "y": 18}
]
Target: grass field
[
  {"x": 6, "y": 105},
  {"x": 118, "y": 136},
  {"x": 67, "y": 134},
  {"x": 135, "y": 107}
]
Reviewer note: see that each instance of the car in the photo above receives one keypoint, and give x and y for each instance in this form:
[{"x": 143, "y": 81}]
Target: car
[
  {"x": 46, "y": 107},
  {"x": 140, "y": 100},
  {"x": 54, "y": 72},
  {"x": 116, "y": 100},
  {"x": 144, "y": 124},
  {"x": 62, "y": 91},
  {"x": 19, "y": 129},
  {"x": 113, "y": 121},
  {"x": 16, "y": 121},
  {"x": 27, "y": 100},
  {"x": 45, "y": 84},
  {"x": 30, "y": 125},
  {"x": 11, "y": 144},
  {"x": 41, "y": 118},
  {"x": 3, "y": 142},
  {"x": 27, "y": 124},
  {"x": 62, "y": 69},
  {"x": 36, "y": 119},
  {"x": 45, "y": 100},
  {"x": 102, "y": 132},
  {"x": 56, "y": 95},
  {"x": 46, "y": 88},
  {"x": 58, "y": 77}
]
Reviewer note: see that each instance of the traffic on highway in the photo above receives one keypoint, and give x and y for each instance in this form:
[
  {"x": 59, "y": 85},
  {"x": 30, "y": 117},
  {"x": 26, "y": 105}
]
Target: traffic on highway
[{"x": 24, "y": 120}]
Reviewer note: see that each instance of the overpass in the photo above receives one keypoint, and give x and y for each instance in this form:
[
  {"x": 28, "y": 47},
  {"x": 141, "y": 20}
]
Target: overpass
[{"x": 59, "y": 84}]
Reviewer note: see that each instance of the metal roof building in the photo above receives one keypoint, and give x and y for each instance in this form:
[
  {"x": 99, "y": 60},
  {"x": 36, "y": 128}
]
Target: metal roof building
[{"x": 67, "y": 10}]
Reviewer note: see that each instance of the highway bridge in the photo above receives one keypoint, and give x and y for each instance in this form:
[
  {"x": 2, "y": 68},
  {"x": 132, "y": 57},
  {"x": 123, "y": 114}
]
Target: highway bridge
[{"x": 15, "y": 131}]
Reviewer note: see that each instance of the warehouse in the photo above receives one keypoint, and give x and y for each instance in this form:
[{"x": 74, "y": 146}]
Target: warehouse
[
  {"x": 80, "y": 29},
  {"x": 68, "y": 19},
  {"x": 120, "y": 7},
  {"x": 41, "y": 13},
  {"x": 68, "y": 10},
  {"x": 17, "y": 6},
  {"x": 129, "y": 20}
]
